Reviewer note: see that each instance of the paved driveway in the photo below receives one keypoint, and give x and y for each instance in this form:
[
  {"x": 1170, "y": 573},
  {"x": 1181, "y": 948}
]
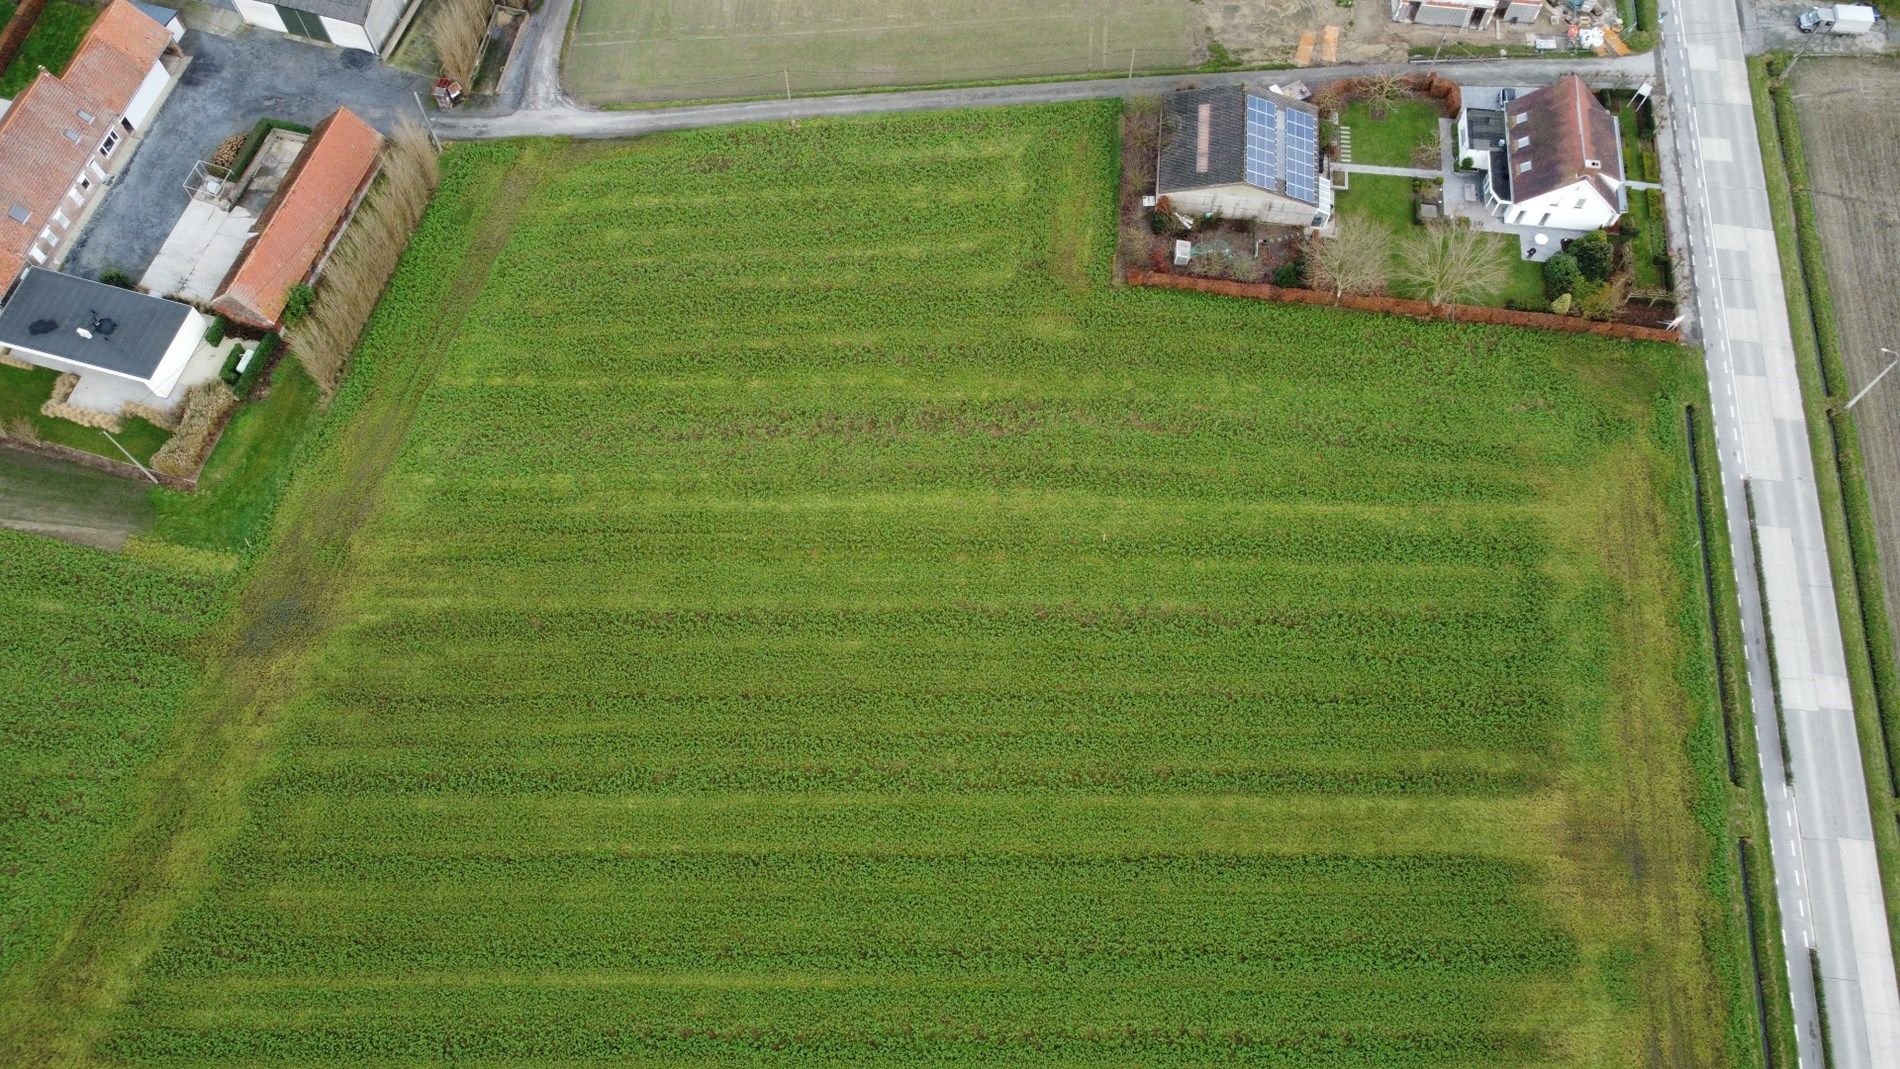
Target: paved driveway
[{"x": 231, "y": 83}]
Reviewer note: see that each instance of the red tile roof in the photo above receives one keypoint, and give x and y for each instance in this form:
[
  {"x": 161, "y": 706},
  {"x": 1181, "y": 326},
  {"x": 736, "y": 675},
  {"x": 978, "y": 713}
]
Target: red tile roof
[
  {"x": 116, "y": 55},
  {"x": 39, "y": 162},
  {"x": 1568, "y": 129},
  {"x": 301, "y": 219}
]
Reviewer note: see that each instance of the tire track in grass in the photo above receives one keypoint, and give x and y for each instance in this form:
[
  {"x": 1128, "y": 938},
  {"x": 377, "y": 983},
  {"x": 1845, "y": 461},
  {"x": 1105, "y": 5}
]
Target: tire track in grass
[{"x": 255, "y": 663}]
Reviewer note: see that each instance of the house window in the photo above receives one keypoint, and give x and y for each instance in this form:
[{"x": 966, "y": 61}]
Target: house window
[
  {"x": 1522, "y": 167},
  {"x": 38, "y": 256},
  {"x": 1524, "y": 142},
  {"x": 18, "y": 213},
  {"x": 85, "y": 116},
  {"x": 111, "y": 142},
  {"x": 1580, "y": 202},
  {"x": 1518, "y": 119},
  {"x": 59, "y": 218},
  {"x": 46, "y": 235},
  {"x": 71, "y": 135},
  {"x": 85, "y": 183}
]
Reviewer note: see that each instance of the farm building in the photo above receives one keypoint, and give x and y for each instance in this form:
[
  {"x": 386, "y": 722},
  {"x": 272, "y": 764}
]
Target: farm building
[
  {"x": 71, "y": 324},
  {"x": 1242, "y": 152},
  {"x": 365, "y": 25},
  {"x": 302, "y": 220},
  {"x": 64, "y": 135},
  {"x": 1552, "y": 157},
  {"x": 1466, "y": 14}
]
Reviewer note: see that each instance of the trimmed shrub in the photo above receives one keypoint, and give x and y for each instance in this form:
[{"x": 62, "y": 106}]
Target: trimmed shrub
[
  {"x": 1561, "y": 274},
  {"x": 229, "y": 373},
  {"x": 261, "y": 360},
  {"x": 298, "y": 301},
  {"x": 1596, "y": 257},
  {"x": 214, "y": 334},
  {"x": 112, "y": 276}
]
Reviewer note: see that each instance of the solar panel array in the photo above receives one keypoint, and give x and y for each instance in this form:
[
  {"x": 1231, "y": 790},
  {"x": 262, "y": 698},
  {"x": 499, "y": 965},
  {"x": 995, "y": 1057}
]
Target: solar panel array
[
  {"x": 1283, "y": 161},
  {"x": 1263, "y": 143},
  {"x": 1300, "y": 156}
]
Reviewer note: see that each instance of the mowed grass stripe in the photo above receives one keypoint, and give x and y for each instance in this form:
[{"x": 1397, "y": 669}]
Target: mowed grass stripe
[{"x": 934, "y": 654}]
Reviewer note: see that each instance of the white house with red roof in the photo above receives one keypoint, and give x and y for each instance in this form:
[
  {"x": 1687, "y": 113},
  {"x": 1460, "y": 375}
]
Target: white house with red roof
[{"x": 64, "y": 135}]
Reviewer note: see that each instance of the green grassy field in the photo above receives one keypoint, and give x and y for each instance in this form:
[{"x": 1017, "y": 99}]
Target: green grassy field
[
  {"x": 760, "y": 634},
  {"x": 54, "y": 39},
  {"x": 629, "y": 51}
]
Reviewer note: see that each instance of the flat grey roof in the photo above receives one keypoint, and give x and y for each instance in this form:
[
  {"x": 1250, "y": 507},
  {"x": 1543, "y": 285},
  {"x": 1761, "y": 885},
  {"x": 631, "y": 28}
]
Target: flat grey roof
[{"x": 130, "y": 331}]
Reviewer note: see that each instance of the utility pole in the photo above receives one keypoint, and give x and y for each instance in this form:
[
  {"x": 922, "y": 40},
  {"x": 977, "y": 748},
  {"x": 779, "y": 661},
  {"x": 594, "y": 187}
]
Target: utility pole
[
  {"x": 128, "y": 455},
  {"x": 1893, "y": 361}
]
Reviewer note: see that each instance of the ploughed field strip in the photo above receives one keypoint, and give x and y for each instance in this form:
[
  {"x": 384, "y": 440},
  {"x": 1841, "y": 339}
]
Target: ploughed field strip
[
  {"x": 815, "y": 618},
  {"x": 627, "y": 51}
]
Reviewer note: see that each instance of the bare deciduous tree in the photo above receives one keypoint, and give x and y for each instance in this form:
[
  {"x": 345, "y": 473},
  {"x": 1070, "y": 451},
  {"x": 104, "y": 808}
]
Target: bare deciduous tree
[
  {"x": 1449, "y": 263},
  {"x": 1356, "y": 259},
  {"x": 457, "y": 28},
  {"x": 1381, "y": 91},
  {"x": 352, "y": 279}
]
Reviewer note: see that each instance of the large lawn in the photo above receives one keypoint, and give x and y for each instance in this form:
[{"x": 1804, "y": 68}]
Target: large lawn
[
  {"x": 1386, "y": 200},
  {"x": 626, "y": 51},
  {"x": 763, "y": 597}
]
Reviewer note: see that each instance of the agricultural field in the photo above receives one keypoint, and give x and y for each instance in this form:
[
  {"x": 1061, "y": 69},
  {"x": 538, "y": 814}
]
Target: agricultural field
[
  {"x": 1849, "y": 130},
  {"x": 631, "y": 51},
  {"x": 757, "y": 634}
]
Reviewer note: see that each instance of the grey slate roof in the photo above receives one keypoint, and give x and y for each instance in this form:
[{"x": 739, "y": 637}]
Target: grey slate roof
[
  {"x": 1180, "y": 165},
  {"x": 47, "y": 308}
]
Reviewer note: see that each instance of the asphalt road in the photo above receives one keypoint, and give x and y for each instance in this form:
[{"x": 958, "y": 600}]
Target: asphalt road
[
  {"x": 546, "y": 110},
  {"x": 1826, "y": 875}
]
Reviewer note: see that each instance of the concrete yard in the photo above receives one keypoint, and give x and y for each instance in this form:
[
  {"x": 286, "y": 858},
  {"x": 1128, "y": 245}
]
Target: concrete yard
[{"x": 232, "y": 82}]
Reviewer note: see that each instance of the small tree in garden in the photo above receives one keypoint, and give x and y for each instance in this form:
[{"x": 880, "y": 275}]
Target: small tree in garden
[
  {"x": 1449, "y": 263},
  {"x": 1560, "y": 275},
  {"x": 1381, "y": 92},
  {"x": 1596, "y": 257},
  {"x": 1356, "y": 259}
]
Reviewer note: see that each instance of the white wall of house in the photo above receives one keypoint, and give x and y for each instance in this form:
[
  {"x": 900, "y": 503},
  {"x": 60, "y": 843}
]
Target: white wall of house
[
  {"x": 347, "y": 34},
  {"x": 164, "y": 377},
  {"x": 1242, "y": 201},
  {"x": 192, "y": 331},
  {"x": 1579, "y": 206},
  {"x": 384, "y": 15},
  {"x": 260, "y": 14},
  {"x": 151, "y": 92}
]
